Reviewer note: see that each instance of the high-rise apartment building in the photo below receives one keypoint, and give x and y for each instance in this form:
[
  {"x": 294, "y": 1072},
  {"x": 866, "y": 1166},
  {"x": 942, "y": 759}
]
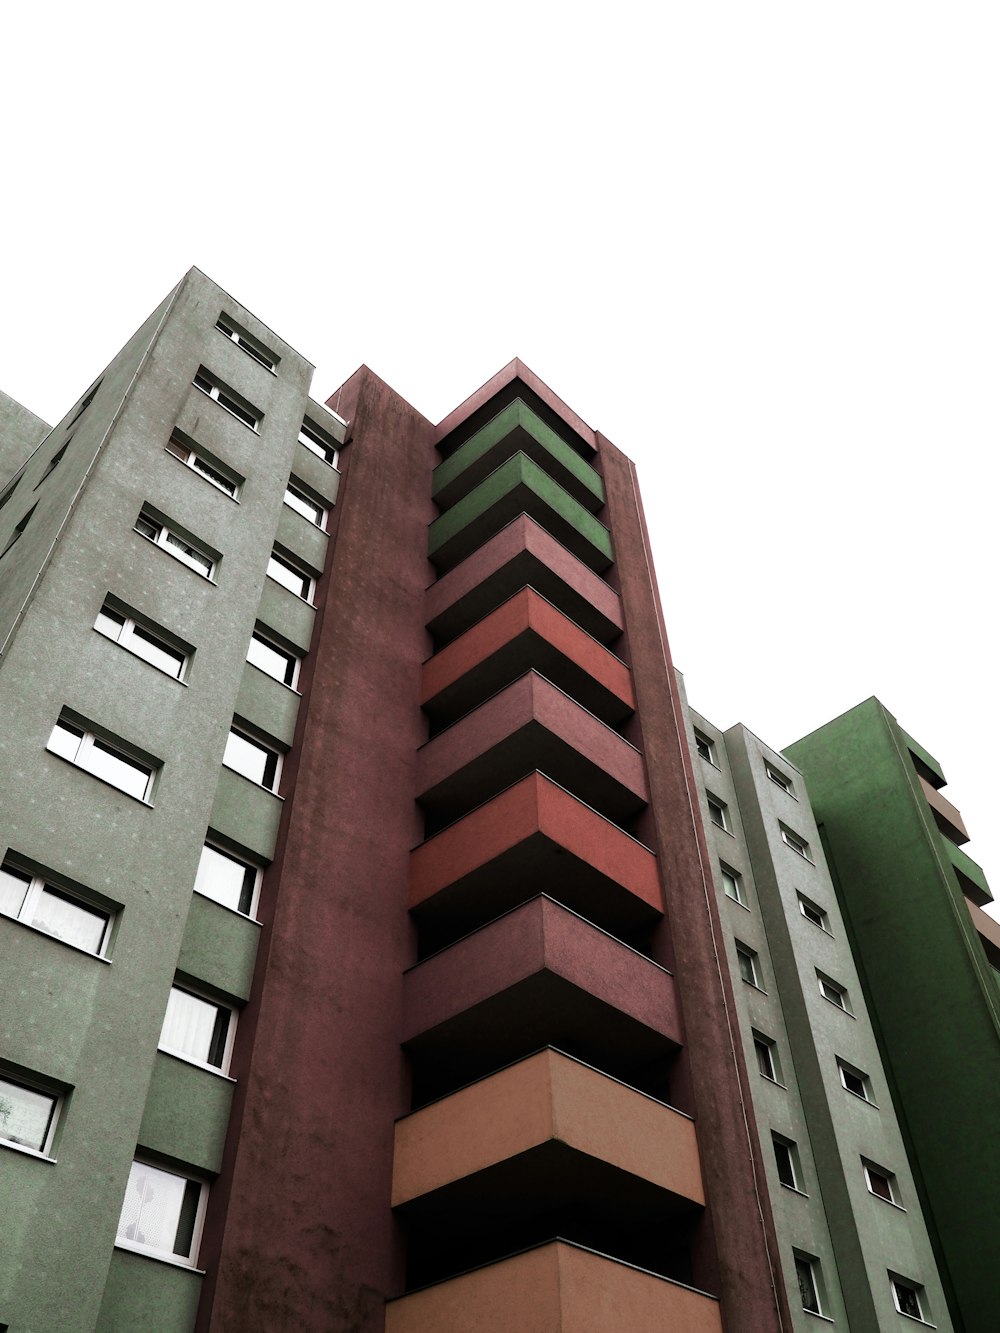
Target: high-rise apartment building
[{"x": 384, "y": 942}]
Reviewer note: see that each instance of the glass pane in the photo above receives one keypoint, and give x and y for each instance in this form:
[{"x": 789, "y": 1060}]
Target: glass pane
[
  {"x": 248, "y": 758},
  {"x": 151, "y": 1209},
  {"x": 288, "y": 578},
  {"x": 188, "y": 554},
  {"x": 13, "y": 887},
  {"x": 25, "y": 1115},
  {"x": 304, "y": 506},
  {"x": 195, "y": 1027},
  {"x": 225, "y": 879},
  {"x": 807, "y": 1287},
  {"x": 110, "y": 623},
  {"x": 272, "y": 660},
  {"x": 147, "y": 528},
  {"x": 70, "y": 920},
  {"x": 65, "y": 740},
  {"x": 154, "y": 651},
  {"x": 104, "y": 762},
  {"x": 216, "y": 478}
]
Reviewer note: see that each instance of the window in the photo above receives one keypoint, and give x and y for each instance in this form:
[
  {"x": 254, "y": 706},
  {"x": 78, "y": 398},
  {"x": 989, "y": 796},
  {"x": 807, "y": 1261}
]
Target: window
[
  {"x": 718, "y": 813},
  {"x": 297, "y": 499},
  {"x": 786, "y": 1157},
  {"x": 161, "y": 1213},
  {"x": 226, "y": 879},
  {"x": 705, "y": 747},
  {"x": 8, "y": 491},
  {"x": 19, "y": 528},
  {"x": 253, "y": 759},
  {"x": 856, "y": 1081},
  {"x": 30, "y": 899},
  {"x": 813, "y": 913},
  {"x": 289, "y": 576},
  {"x": 228, "y": 398},
  {"x": 54, "y": 462},
  {"x": 749, "y": 965},
  {"x": 778, "y": 778},
  {"x": 318, "y": 442},
  {"x": 149, "y": 644},
  {"x": 27, "y": 1115},
  {"x": 111, "y": 762},
  {"x": 249, "y": 344},
  {"x": 220, "y": 477},
  {"x": 275, "y": 661},
  {"x": 767, "y": 1057},
  {"x": 148, "y": 526},
  {"x": 796, "y": 843},
  {"x": 908, "y": 1297},
  {"x": 880, "y": 1182},
  {"x": 198, "y": 1029},
  {"x": 732, "y": 885},
  {"x": 84, "y": 404},
  {"x": 834, "y": 992},
  {"x": 807, "y": 1275}
]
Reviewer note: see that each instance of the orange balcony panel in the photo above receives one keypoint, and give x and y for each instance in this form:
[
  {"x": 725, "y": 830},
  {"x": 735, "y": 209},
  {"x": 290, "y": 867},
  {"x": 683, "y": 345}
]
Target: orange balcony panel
[
  {"x": 555, "y": 1288},
  {"x": 526, "y": 632},
  {"x": 520, "y": 554},
  {"x": 527, "y": 726},
  {"x": 948, "y": 819},
  {"x": 534, "y": 836},
  {"x": 548, "y": 1098}
]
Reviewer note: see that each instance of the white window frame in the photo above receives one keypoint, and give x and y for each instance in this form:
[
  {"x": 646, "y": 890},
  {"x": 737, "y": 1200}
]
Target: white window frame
[
  {"x": 228, "y": 399},
  {"x": 132, "y": 630},
  {"x": 253, "y": 348},
  {"x": 796, "y": 842},
  {"x": 55, "y": 1109},
  {"x": 750, "y": 957},
  {"x": 779, "y": 779},
  {"x": 299, "y": 501},
  {"x": 229, "y": 1039},
  {"x": 824, "y": 923},
  {"x": 790, "y": 1150},
  {"x": 763, "y": 1043},
  {"x": 294, "y": 661},
  {"x": 188, "y": 552},
  {"x": 319, "y": 443},
  {"x": 870, "y": 1169},
  {"x": 274, "y": 758},
  {"x": 847, "y": 1070},
  {"x": 221, "y": 478},
  {"x": 897, "y": 1281},
  {"x": 833, "y": 992},
  {"x": 283, "y": 562},
  {"x": 811, "y": 1264},
  {"x": 723, "y": 822},
  {"x": 35, "y": 887},
  {"x": 87, "y": 742},
  {"x": 705, "y": 747},
  {"x": 729, "y": 875},
  {"x": 188, "y": 1260},
  {"x": 251, "y": 872}
]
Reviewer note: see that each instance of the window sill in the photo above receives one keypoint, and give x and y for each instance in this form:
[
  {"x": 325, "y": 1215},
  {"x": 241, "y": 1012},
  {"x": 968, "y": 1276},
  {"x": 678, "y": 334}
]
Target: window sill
[
  {"x": 317, "y": 527},
  {"x": 722, "y": 829},
  {"x": 183, "y": 563},
  {"x": 28, "y": 1152},
  {"x": 290, "y": 688},
  {"x": 858, "y": 1098},
  {"x": 234, "y": 498},
  {"x": 252, "y": 781},
  {"x": 736, "y": 901},
  {"x": 816, "y": 1315},
  {"x": 305, "y": 600},
  {"x": 77, "y": 768},
  {"x": 890, "y": 1203},
  {"x": 773, "y": 1081},
  {"x": 139, "y": 658},
  {"x": 254, "y": 429},
  {"x": 914, "y": 1319},
  {"x": 172, "y": 1259},
  {"x": 47, "y": 934},
  {"x": 781, "y": 788},
  {"x": 793, "y": 1189},
  {"x": 244, "y": 916},
  {"x": 197, "y": 1064}
]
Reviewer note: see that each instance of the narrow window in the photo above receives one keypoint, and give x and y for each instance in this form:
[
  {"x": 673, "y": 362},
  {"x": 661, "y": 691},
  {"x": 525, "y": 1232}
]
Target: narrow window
[
  {"x": 807, "y": 1274},
  {"x": 855, "y": 1081},
  {"x": 253, "y": 759},
  {"x": 284, "y": 572},
  {"x": 54, "y": 462},
  {"x": 142, "y": 640},
  {"x": 249, "y": 344},
  {"x": 834, "y": 992},
  {"x": 297, "y": 499},
  {"x": 221, "y": 478},
  {"x": 318, "y": 442},
  {"x": 785, "y": 1155},
  {"x": 749, "y": 965},
  {"x": 148, "y": 526},
  {"x": 84, "y": 404},
  {"x": 161, "y": 1213},
  {"x": 705, "y": 747},
  {"x": 111, "y": 762},
  {"x": 197, "y": 1029},
  {"x": 732, "y": 885},
  {"x": 228, "y": 398},
  {"x": 30, "y": 899},
  {"x": 908, "y": 1297},
  {"x": 27, "y": 1115},
  {"x": 8, "y": 491},
  {"x": 796, "y": 843},
  {"x": 767, "y": 1057},
  {"x": 718, "y": 813},
  {"x": 226, "y": 879},
  {"x": 275, "y": 661},
  {"x": 813, "y": 913},
  {"x": 19, "y": 528},
  {"x": 778, "y": 778}
]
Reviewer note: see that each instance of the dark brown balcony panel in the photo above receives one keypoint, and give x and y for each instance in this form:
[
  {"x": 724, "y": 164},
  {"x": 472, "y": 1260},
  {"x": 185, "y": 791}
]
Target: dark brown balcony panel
[
  {"x": 525, "y": 633},
  {"x": 522, "y": 554},
  {"x": 947, "y": 818},
  {"x": 534, "y": 837},
  {"x": 988, "y": 931},
  {"x": 531, "y": 725},
  {"x": 539, "y": 976}
]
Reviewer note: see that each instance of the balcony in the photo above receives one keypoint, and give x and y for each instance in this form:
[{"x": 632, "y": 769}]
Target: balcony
[
  {"x": 947, "y": 818},
  {"x": 518, "y": 486},
  {"x": 516, "y": 429},
  {"x": 519, "y": 555},
  {"x": 538, "y": 976},
  {"x": 554, "y": 1287},
  {"x": 525, "y": 633},
  {"x": 546, "y": 1147},
  {"x": 527, "y": 726},
  {"x": 971, "y": 876},
  {"x": 988, "y": 931},
  {"x": 533, "y": 837}
]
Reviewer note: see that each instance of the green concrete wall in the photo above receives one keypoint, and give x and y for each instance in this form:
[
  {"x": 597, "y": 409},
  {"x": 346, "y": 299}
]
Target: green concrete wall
[{"x": 144, "y": 1296}]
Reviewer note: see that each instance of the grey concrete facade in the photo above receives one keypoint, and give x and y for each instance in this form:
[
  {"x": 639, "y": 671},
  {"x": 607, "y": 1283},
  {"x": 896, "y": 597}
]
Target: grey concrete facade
[{"x": 21, "y": 431}]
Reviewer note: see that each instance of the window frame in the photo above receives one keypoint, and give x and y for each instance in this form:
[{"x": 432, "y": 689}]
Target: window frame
[
  {"x": 228, "y": 1037},
  {"x": 319, "y": 443},
  {"x": 284, "y": 562},
  {"x": 273, "y": 763},
  {"x": 714, "y": 803},
  {"x": 729, "y": 873},
  {"x": 189, "y": 454},
  {"x": 38, "y": 882},
  {"x": 88, "y": 740},
  {"x": 245, "y": 412},
  {"x": 297, "y": 492},
  {"x": 918, "y": 1292},
  {"x": 892, "y": 1187},
  {"x": 779, "y": 779},
  {"x": 811, "y": 1265},
  {"x": 16, "y": 1079},
  {"x": 253, "y": 347},
  {"x": 852, "y": 1071},
  {"x": 252, "y": 877},
  {"x": 790, "y": 1149},
  {"x": 294, "y": 660},
  {"x": 823, "y": 923},
  {"x": 796, "y": 842},
  {"x": 750, "y": 957},
  {"x": 112, "y": 609},
  {"x": 182, "y": 1260},
  {"x": 179, "y": 546},
  {"x": 764, "y": 1044},
  {"x": 840, "y": 998},
  {"x": 705, "y": 747}
]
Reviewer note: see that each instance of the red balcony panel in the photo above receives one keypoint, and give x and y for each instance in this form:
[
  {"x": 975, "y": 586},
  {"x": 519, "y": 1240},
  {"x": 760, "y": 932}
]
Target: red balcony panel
[
  {"x": 526, "y": 632},
  {"x": 527, "y": 726},
  {"x": 522, "y": 553}
]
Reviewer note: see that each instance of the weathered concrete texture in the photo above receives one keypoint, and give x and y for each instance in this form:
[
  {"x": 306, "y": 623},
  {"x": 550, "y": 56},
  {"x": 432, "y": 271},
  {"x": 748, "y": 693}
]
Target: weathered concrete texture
[{"x": 20, "y": 432}]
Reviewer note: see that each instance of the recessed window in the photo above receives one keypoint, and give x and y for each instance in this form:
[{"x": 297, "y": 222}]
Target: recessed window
[
  {"x": 19, "y": 528},
  {"x": 856, "y": 1081},
  {"x": 732, "y": 885},
  {"x": 141, "y": 639},
  {"x": 749, "y": 965},
  {"x": 705, "y": 747},
  {"x": 778, "y": 778},
  {"x": 228, "y": 398},
  {"x": 880, "y": 1182},
  {"x": 814, "y": 913},
  {"x": 275, "y": 661},
  {"x": 256, "y": 761},
  {"x": 149, "y": 526},
  {"x": 54, "y": 462},
  {"x": 908, "y": 1297},
  {"x": 8, "y": 491},
  {"x": 226, "y": 879},
  {"x": 786, "y": 1158},
  {"x": 296, "y": 580},
  {"x": 834, "y": 992},
  {"x": 249, "y": 343},
  {"x": 807, "y": 1275},
  {"x": 198, "y": 1029},
  {"x": 318, "y": 442},
  {"x": 32, "y": 900},
  {"x": 220, "y": 477},
  {"x": 718, "y": 813},
  {"x": 161, "y": 1213},
  {"x": 297, "y": 499},
  {"x": 27, "y": 1115},
  {"x": 767, "y": 1057},
  {"x": 796, "y": 843},
  {"x": 108, "y": 760},
  {"x": 84, "y": 404}
]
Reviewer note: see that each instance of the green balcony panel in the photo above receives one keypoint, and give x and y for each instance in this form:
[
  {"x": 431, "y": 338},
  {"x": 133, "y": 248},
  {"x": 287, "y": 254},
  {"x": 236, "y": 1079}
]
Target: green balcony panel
[
  {"x": 246, "y": 813},
  {"x": 141, "y": 1293},
  {"x": 970, "y": 875},
  {"x": 289, "y": 615},
  {"x": 220, "y": 947},
  {"x": 268, "y": 704},
  {"x": 517, "y": 429},
  {"x": 518, "y": 486},
  {"x": 187, "y": 1113}
]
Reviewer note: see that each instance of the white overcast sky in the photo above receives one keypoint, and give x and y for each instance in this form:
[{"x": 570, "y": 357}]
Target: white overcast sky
[{"x": 757, "y": 245}]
